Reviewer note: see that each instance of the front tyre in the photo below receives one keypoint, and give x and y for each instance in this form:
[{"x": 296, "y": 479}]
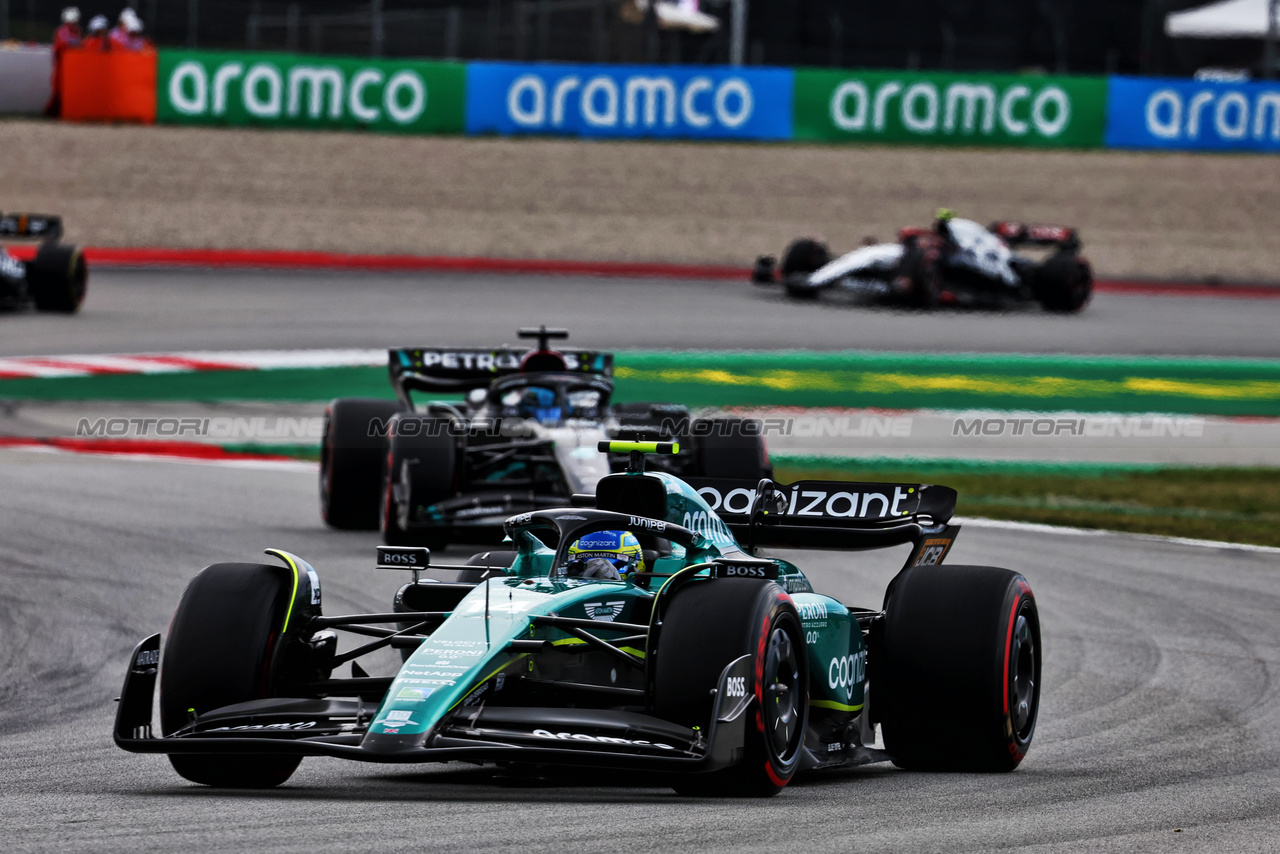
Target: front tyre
[
  {"x": 220, "y": 651},
  {"x": 959, "y": 673},
  {"x": 710, "y": 624},
  {"x": 920, "y": 278},
  {"x": 802, "y": 258}
]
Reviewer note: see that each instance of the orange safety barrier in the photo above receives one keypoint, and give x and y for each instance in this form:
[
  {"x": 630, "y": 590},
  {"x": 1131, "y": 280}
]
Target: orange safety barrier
[{"x": 112, "y": 86}]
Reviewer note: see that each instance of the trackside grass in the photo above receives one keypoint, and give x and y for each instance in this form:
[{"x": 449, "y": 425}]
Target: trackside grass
[{"x": 1230, "y": 504}]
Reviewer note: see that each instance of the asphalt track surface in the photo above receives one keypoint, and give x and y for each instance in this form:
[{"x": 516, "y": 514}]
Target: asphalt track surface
[
  {"x": 148, "y": 310},
  {"x": 1160, "y": 710}
]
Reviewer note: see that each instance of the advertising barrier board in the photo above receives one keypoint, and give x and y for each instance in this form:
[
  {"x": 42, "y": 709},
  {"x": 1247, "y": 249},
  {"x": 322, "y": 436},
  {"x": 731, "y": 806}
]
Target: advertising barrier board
[
  {"x": 286, "y": 90},
  {"x": 1193, "y": 115},
  {"x": 629, "y": 101},
  {"x": 949, "y": 109}
]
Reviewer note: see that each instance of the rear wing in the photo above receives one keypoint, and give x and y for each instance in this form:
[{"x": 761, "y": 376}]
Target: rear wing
[
  {"x": 460, "y": 370},
  {"x": 829, "y": 514},
  {"x": 1020, "y": 234},
  {"x": 38, "y": 226}
]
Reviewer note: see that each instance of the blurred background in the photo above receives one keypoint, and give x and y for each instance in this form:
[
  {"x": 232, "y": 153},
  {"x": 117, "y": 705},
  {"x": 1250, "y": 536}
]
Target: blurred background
[{"x": 1059, "y": 36}]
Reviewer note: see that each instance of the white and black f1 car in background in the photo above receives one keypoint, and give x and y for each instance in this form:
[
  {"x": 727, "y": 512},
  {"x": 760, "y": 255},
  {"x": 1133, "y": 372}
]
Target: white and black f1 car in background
[
  {"x": 525, "y": 437},
  {"x": 54, "y": 279},
  {"x": 957, "y": 261}
]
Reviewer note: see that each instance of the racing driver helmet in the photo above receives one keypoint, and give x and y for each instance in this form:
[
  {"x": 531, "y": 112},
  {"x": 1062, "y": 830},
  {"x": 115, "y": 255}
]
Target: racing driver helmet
[
  {"x": 607, "y": 555},
  {"x": 540, "y": 404}
]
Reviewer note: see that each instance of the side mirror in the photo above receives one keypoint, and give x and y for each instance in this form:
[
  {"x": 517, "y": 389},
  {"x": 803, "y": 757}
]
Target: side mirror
[{"x": 768, "y": 502}]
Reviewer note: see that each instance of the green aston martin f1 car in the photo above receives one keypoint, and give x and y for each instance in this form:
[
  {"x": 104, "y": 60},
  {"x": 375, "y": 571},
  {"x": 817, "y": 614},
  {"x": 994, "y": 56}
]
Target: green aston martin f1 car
[{"x": 691, "y": 656}]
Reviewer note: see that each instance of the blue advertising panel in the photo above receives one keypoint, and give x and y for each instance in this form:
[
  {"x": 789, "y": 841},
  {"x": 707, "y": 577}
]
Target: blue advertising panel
[
  {"x": 1193, "y": 115},
  {"x": 689, "y": 102}
]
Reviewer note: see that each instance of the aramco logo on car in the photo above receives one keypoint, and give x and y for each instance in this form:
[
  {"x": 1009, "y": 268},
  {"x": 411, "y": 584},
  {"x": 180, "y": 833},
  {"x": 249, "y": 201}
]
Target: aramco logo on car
[
  {"x": 629, "y": 101},
  {"x": 279, "y": 89}
]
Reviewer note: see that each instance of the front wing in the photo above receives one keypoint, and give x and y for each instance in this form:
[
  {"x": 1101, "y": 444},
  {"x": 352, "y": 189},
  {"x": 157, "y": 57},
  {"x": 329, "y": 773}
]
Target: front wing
[{"x": 551, "y": 736}]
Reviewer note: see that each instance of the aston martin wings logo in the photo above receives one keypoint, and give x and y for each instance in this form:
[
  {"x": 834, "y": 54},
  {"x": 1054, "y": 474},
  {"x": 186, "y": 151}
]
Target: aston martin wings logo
[{"x": 607, "y": 611}]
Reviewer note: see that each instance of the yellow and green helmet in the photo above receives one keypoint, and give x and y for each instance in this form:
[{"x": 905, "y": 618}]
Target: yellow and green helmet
[{"x": 620, "y": 548}]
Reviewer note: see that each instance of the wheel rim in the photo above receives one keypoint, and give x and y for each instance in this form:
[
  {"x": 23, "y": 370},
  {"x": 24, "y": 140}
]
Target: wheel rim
[
  {"x": 782, "y": 693},
  {"x": 1023, "y": 679}
]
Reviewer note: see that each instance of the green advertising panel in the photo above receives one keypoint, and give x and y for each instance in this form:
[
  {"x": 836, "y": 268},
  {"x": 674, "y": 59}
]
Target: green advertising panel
[
  {"x": 287, "y": 90},
  {"x": 949, "y": 109}
]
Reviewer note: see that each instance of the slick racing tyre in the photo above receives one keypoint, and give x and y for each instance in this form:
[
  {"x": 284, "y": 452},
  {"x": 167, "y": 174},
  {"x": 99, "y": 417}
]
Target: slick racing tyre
[
  {"x": 351, "y": 460},
  {"x": 421, "y": 463},
  {"x": 57, "y": 278},
  {"x": 710, "y": 624},
  {"x": 220, "y": 651},
  {"x": 958, "y": 680},
  {"x": 731, "y": 448},
  {"x": 803, "y": 256},
  {"x": 1064, "y": 283}
]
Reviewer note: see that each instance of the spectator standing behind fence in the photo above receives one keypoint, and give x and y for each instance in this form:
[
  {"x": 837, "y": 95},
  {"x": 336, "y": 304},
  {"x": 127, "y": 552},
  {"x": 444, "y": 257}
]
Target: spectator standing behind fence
[
  {"x": 67, "y": 36},
  {"x": 127, "y": 34},
  {"x": 96, "y": 36}
]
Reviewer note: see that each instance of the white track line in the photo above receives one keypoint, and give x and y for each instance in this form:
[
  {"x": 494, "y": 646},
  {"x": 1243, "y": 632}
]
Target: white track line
[{"x": 1038, "y": 528}]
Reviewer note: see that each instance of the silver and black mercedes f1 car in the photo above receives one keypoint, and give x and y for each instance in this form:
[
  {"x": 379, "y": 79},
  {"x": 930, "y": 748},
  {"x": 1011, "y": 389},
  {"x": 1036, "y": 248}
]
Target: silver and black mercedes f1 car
[
  {"x": 53, "y": 278},
  {"x": 956, "y": 262},
  {"x": 713, "y": 665},
  {"x": 524, "y": 436}
]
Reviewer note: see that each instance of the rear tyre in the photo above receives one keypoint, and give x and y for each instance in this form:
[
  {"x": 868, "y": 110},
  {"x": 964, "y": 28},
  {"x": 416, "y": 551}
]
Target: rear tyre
[
  {"x": 710, "y": 624},
  {"x": 959, "y": 670},
  {"x": 57, "y": 278},
  {"x": 1064, "y": 283},
  {"x": 219, "y": 652},
  {"x": 351, "y": 462},
  {"x": 732, "y": 448},
  {"x": 420, "y": 463}
]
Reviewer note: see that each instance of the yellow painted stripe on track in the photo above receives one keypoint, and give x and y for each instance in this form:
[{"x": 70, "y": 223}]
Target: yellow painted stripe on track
[{"x": 1017, "y": 386}]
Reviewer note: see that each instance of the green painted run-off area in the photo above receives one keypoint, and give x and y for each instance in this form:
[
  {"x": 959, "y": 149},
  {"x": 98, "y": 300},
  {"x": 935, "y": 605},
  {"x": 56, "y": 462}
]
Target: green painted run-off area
[{"x": 1230, "y": 387}]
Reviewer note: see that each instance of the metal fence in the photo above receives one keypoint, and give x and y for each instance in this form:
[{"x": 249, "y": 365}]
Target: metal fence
[
  {"x": 1073, "y": 36},
  {"x": 585, "y": 30}
]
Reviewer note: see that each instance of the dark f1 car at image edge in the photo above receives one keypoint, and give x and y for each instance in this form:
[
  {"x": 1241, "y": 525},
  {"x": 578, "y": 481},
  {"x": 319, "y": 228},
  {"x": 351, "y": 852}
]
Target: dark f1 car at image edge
[
  {"x": 56, "y": 276},
  {"x": 957, "y": 261},
  {"x": 525, "y": 437},
  {"x": 714, "y": 666}
]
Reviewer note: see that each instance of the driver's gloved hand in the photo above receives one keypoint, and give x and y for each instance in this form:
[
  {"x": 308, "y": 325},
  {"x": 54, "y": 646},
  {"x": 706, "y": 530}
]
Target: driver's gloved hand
[{"x": 596, "y": 567}]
